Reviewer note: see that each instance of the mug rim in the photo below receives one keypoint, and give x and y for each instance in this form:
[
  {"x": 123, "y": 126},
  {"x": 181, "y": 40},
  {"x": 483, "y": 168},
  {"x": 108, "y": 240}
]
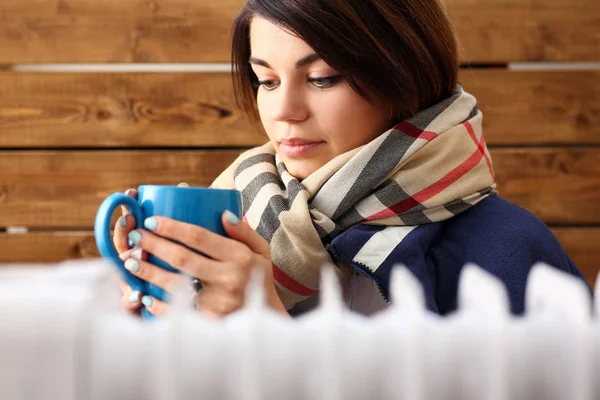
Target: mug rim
[{"x": 186, "y": 188}]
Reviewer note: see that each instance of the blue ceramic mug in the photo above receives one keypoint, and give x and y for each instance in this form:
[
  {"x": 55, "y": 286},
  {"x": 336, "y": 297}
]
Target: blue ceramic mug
[{"x": 197, "y": 206}]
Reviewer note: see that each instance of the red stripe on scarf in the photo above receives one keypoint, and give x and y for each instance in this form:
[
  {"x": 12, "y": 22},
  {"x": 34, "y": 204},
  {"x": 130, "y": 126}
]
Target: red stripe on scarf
[
  {"x": 480, "y": 147},
  {"x": 430, "y": 191},
  {"x": 290, "y": 284},
  {"x": 412, "y": 131}
]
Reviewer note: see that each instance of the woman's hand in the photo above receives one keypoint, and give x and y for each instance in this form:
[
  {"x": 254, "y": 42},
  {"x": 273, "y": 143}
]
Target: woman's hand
[
  {"x": 131, "y": 300},
  {"x": 126, "y": 223},
  {"x": 224, "y": 271}
]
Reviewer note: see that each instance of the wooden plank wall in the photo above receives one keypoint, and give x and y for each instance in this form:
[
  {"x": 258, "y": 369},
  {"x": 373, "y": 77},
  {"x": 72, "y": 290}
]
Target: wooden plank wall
[{"x": 68, "y": 139}]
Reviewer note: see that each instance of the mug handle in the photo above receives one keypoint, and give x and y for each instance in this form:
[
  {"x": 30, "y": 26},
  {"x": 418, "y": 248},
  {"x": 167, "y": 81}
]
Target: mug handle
[{"x": 104, "y": 240}]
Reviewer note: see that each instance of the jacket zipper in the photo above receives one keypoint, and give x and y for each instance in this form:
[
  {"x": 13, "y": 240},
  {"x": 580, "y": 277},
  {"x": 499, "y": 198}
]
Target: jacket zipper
[
  {"x": 383, "y": 291},
  {"x": 363, "y": 268}
]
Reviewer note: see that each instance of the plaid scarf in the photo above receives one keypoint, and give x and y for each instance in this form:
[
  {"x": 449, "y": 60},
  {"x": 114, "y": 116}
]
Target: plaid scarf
[{"x": 426, "y": 169}]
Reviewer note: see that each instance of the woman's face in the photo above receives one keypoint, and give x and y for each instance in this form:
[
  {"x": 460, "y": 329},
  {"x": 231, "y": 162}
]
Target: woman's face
[{"x": 308, "y": 110}]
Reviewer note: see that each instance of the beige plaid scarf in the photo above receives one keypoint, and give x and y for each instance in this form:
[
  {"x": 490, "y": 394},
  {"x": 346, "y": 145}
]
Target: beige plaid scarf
[{"x": 426, "y": 169}]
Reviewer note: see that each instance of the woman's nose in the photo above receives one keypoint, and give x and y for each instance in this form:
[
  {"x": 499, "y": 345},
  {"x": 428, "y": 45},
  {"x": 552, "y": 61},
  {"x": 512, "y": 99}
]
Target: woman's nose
[{"x": 289, "y": 105}]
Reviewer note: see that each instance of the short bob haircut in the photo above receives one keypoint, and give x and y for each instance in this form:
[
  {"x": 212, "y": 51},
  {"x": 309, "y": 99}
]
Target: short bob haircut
[{"x": 401, "y": 52}]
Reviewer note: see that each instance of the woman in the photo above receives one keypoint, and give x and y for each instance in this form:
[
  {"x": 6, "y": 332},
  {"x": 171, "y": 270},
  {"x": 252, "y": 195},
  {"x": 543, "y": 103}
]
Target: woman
[{"x": 375, "y": 158}]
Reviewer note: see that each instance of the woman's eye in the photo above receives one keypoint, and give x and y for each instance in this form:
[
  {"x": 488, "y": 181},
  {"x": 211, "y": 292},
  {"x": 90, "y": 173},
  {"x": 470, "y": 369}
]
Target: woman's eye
[
  {"x": 326, "y": 82},
  {"x": 268, "y": 84}
]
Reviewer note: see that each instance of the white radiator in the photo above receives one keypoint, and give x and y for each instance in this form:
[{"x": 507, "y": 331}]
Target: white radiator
[{"x": 64, "y": 335}]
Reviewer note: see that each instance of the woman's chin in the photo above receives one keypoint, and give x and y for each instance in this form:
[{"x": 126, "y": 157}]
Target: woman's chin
[{"x": 300, "y": 169}]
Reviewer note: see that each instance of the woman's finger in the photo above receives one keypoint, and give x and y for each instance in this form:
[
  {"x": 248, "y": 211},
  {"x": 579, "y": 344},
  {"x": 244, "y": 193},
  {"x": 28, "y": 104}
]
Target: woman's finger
[
  {"x": 132, "y": 193},
  {"x": 155, "y": 306},
  {"x": 177, "y": 256},
  {"x": 128, "y": 295},
  {"x": 136, "y": 253},
  {"x": 215, "y": 246},
  {"x": 148, "y": 272},
  {"x": 124, "y": 225},
  {"x": 242, "y": 232},
  {"x": 131, "y": 299}
]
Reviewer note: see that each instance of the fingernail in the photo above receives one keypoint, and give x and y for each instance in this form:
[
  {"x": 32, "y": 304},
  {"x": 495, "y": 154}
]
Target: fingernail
[
  {"x": 183, "y": 184},
  {"x": 128, "y": 192},
  {"x": 123, "y": 221},
  {"x": 151, "y": 224},
  {"x": 137, "y": 254},
  {"x": 147, "y": 301},
  {"x": 135, "y": 237},
  {"x": 132, "y": 265},
  {"x": 232, "y": 218},
  {"x": 134, "y": 297}
]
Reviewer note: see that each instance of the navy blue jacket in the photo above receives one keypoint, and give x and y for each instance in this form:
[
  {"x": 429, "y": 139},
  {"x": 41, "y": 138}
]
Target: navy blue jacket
[{"x": 502, "y": 238}]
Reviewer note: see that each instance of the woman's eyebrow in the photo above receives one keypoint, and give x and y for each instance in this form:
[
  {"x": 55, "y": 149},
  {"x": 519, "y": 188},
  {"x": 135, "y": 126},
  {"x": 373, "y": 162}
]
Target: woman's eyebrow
[
  {"x": 260, "y": 62},
  {"x": 304, "y": 61},
  {"x": 309, "y": 59}
]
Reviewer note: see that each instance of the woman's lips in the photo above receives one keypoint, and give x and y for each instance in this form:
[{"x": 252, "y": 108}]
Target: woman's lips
[{"x": 297, "y": 149}]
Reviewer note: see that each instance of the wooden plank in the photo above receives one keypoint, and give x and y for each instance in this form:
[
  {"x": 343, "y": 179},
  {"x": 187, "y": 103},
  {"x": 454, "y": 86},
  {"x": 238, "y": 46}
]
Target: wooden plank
[
  {"x": 70, "y": 31},
  {"x": 537, "y": 107},
  {"x": 145, "y": 8},
  {"x": 182, "y": 110},
  {"x": 582, "y": 247},
  {"x": 111, "y": 31},
  {"x": 64, "y": 189},
  {"x": 501, "y": 31},
  {"x": 49, "y": 247},
  {"x": 561, "y": 186},
  {"x": 498, "y": 31},
  {"x": 111, "y": 110}
]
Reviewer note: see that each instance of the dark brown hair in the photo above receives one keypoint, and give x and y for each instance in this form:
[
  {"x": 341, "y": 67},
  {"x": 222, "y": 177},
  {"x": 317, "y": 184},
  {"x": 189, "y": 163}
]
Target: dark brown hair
[{"x": 401, "y": 52}]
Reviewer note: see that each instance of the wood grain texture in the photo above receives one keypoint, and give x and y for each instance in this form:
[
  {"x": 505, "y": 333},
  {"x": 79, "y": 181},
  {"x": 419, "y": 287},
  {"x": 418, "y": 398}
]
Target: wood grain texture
[
  {"x": 111, "y": 31},
  {"x": 64, "y": 189},
  {"x": 182, "y": 110},
  {"x": 537, "y": 107},
  {"x": 561, "y": 186},
  {"x": 498, "y": 31},
  {"x": 114, "y": 8},
  {"x": 55, "y": 31},
  {"x": 49, "y": 247},
  {"x": 110, "y": 110},
  {"x": 582, "y": 247}
]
